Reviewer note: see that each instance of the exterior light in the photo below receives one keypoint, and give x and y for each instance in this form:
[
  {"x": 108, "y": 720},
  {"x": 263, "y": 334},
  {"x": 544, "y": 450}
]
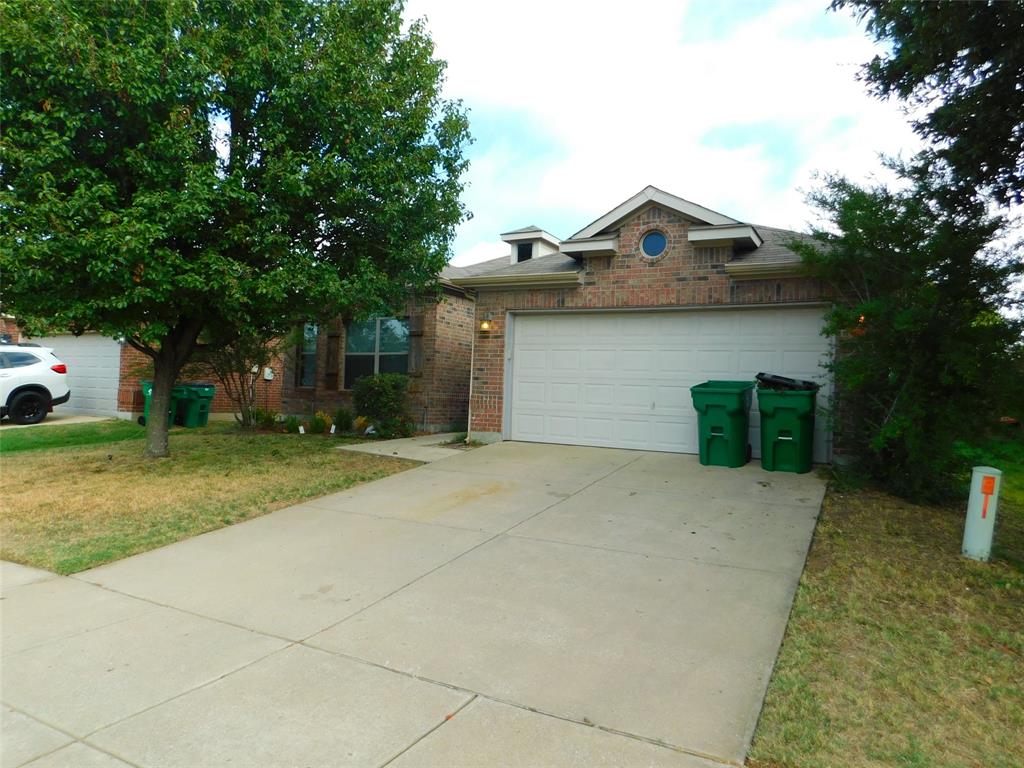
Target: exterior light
[{"x": 485, "y": 322}]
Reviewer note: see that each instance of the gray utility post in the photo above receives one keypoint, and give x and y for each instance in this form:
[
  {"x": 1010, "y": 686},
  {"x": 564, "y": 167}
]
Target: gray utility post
[{"x": 981, "y": 512}]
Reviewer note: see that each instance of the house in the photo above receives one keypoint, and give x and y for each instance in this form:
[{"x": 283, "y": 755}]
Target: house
[
  {"x": 104, "y": 375},
  {"x": 431, "y": 342},
  {"x": 596, "y": 339}
]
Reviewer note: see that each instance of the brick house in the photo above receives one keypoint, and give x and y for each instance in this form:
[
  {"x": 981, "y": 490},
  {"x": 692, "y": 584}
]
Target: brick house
[
  {"x": 430, "y": 342},
  {"x": 596, "y": 339}
]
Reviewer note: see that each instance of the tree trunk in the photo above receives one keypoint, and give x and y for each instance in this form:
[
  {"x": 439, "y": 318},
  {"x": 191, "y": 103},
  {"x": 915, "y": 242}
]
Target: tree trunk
[
  {"x": 164, "y": 374},
  {"x": 168, "y": 361}
]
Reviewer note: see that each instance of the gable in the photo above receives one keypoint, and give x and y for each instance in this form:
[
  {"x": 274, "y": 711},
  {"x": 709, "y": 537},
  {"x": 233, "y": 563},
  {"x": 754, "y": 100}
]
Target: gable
[{"x": 647, "y": 197}]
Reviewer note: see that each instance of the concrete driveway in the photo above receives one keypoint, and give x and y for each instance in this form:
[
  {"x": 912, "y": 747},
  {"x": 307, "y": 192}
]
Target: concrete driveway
[{"x": 519, "y": 604}]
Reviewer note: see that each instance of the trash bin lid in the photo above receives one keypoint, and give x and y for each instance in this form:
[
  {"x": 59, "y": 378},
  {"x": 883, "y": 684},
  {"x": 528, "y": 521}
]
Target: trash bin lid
[
  {"x": 723, "y": 387},
  {"x": 775, "y": 381}
]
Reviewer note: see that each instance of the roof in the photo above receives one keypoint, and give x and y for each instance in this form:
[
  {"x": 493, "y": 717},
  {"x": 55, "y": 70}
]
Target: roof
[
  {"x": 553, "y": 267},
  {"x": 521, "y": 230},
  {"x": 773, "y": 250},
  {"x": 770, "y": 256},
  {"x": 650, "y": 195}
]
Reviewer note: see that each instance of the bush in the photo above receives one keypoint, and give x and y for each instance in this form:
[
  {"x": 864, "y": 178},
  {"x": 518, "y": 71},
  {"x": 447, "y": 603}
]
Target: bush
[
  {"x": 924, "y": 350},
  {"x": 343, "y": 419},
  {"x": 263, "y": 419},
  {"x": 320, "y": 423},
  {"x": 360, "y": 424},
  {"x": 291, "y": 424},
  {"x": 384, "y": 399}
]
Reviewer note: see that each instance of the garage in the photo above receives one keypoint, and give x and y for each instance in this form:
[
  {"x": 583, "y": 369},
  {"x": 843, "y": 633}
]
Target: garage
[
  {"x": 94, "y": 366},
  {"x": 622, "y": 379}
]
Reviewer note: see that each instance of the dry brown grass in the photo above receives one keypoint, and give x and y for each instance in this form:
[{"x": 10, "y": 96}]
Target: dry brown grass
[
  {"x": 899, "y": 652},
  {"x": 69, "y": 509}
]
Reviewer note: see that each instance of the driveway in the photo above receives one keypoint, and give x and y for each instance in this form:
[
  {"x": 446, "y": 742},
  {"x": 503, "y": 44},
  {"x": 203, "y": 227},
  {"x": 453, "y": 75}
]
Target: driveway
[{"x": 518, "y": 604}]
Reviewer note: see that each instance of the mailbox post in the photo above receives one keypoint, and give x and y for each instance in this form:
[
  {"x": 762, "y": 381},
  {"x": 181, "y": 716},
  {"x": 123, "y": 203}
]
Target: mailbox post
[{"x": 981, "y": 513}]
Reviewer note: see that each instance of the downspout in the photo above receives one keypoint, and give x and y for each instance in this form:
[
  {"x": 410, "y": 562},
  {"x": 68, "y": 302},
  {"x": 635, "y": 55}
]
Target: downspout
[{"x": 472, "y": 363}]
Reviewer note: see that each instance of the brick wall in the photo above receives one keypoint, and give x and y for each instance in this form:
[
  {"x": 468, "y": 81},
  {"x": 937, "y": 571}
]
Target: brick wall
[
  {"x": 683, "y": 276},
  {"x": 136, "y": 366},
  {"x": 440, "y": 341},
  {"x": 444, "y": 393},
  {"x": 7, "y": 325}
]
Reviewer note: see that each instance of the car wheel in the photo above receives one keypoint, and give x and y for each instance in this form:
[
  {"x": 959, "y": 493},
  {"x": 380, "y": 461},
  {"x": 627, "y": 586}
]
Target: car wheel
[{"x": 28, "y": 407}]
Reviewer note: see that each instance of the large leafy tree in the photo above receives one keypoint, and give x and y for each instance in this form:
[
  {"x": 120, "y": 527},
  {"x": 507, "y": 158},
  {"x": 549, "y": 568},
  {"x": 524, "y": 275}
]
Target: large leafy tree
[
  {"x": 961, "y": 64},
  {"x": 178, "y": 172},
  {"x": 925, "y": 350}
]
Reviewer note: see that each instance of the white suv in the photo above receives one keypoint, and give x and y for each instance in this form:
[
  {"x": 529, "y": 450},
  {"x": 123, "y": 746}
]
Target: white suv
[{"x": 32, "y": 381}]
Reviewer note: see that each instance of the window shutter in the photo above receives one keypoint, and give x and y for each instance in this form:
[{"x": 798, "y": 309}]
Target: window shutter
[
  {"x": 416, "y": 343},
  {"x": 333, "y": 363}
]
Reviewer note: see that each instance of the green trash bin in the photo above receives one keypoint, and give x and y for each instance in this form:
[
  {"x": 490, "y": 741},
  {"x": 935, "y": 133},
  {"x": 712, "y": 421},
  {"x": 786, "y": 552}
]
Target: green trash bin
[
  {"x": 194, "y": 404},
  {"x": 787, "y": 429},
  {"x": 147, "y": 394},
  {"x": 723, "y": 422}
]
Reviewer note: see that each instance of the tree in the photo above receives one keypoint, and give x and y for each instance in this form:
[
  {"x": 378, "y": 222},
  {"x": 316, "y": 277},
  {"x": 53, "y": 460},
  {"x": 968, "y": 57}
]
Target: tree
[
  {"x": 175, "y": 169},
  {"x": 924, "y": 352},
  {"x": 963, "y": 64},
  {"x": 238, "y": 368}
]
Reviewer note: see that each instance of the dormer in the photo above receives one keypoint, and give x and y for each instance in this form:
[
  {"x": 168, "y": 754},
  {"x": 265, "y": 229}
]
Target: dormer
[{"x": 530, "y": 243}]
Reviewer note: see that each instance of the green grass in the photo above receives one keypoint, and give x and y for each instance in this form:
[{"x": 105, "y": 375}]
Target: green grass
[
  {"x": 86, "y": 503},
  {"x": 900, "y": 652},
  {"x": 45, "y": 437},
  {"x": 1005, "y": 453}
]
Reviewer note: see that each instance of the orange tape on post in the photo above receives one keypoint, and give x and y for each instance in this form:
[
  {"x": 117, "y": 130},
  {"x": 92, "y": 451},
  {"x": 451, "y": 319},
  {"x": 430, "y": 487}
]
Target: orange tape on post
[{"x": 988, "y": 487}]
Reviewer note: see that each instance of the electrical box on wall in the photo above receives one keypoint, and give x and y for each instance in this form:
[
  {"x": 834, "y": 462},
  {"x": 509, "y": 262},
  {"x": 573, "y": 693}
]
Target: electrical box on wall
[{"x": 268, "y": 374}]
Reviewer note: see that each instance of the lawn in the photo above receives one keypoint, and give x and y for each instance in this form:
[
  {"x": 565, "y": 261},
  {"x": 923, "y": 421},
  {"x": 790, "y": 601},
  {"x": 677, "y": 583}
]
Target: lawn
[
  {"x": 88, "y": 502},
  {"x": 900, "y": 652},
  {"x": 91, "y": 433}
]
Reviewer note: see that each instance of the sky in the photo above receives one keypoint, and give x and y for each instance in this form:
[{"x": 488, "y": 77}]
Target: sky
[{"x": 733, "y": 104}]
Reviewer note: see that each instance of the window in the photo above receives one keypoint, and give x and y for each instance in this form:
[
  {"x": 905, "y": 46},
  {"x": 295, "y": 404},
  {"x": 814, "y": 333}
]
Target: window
[
  {"x": 305, "y": 358},
  {"x": 524, "y": 252},
  {"x": 378, "y": 345},
  {"x": 21, "y": 359},
  {"x": 653, "y": 244}
]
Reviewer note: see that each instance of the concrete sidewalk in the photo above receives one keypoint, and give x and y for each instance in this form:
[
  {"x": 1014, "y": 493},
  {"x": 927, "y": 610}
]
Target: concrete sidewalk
[
  {"x": 512, "y": 605},
  {"x": 425, "y": 448}
]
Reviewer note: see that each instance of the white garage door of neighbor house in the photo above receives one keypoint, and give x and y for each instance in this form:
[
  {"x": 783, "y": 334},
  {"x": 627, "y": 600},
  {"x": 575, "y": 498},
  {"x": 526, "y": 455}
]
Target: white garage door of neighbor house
[
  {"x": 94, "y": 371},
  {"x": 622, "y": 379}
]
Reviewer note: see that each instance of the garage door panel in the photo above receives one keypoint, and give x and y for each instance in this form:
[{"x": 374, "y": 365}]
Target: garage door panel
[
  {"x": 593, "y": 428},
  {"x": 599, "y": 394},
  {"x": 531, "y": 393},
  {"x": 672, "y": 399},
  {"x": 563, "y": 426},
  {"x": 756, "y": 360},
  {"x": 622, "y": 379},
  {"x": 565, "y": 393},
  {"x": 597, "y": 360},
  {"x": 633, "y": 396},
  {"x": 678, "y": 362},
  {"x": 638, "y": 360}
]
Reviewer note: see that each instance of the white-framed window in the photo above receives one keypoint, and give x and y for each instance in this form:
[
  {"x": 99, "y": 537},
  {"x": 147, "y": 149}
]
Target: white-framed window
[
  {"x": 653, "y": 244},
  {"x": 377, "y": 345}
]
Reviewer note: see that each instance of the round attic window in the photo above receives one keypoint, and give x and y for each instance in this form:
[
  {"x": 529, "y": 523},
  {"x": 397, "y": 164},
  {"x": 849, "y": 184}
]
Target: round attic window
[{"x": 653, "y": 244}]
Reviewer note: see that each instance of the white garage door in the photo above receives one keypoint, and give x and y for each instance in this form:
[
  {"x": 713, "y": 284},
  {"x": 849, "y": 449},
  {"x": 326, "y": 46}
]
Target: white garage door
[
  {"x": 94, "y": 371},
  {"x": 622, "y": 379}
]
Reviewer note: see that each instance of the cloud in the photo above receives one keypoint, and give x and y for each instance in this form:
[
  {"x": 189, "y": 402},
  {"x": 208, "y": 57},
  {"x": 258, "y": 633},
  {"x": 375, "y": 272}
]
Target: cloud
[{"x": 580, "y": 105}]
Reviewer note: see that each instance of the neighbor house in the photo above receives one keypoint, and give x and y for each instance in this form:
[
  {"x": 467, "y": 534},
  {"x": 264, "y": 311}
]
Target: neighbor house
[
  {"x": 105, "y": 374},
  {"x": 596, "y": 339}
]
